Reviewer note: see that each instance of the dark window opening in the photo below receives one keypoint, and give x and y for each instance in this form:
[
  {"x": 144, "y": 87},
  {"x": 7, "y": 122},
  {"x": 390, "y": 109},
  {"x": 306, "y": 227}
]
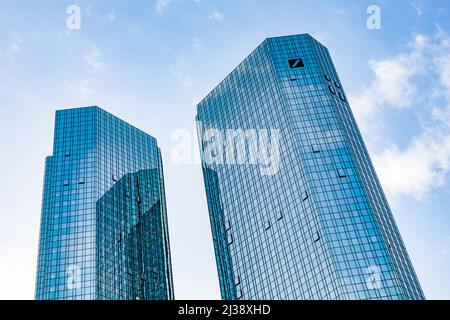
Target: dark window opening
[
  {"x": 316, "y": 237},
  {"x": 305, "y": 195},
  {"x": 280, "y": 216},
  {"x": 328, "y": 78},
  {"x": 342, "y": 97},
  {"x": 341, "y": 173},
  {"x": 315, "y": 148},
  {"x": 332, "y": 90},
  {"x": 337, "y": 84},
  {"x": 230, "y": 239}
]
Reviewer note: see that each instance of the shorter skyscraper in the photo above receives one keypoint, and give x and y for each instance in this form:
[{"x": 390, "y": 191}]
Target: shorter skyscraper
[{"x": 104, "y": 233}]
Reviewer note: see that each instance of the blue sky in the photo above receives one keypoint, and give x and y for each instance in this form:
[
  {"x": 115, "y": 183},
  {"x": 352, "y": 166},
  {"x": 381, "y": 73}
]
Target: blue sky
[{"x": 150, "y": 63}]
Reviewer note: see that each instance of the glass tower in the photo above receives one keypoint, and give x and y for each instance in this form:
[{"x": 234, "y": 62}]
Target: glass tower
[
  {"x": 104, "y": 233},
  {"x": 296, "y": 208}
]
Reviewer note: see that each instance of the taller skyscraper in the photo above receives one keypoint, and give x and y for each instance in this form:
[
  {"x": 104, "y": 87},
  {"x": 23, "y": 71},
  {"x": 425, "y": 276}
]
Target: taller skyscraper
[
  {"x": 104, "y": 231},
  {"x": 296, "y": 208}
]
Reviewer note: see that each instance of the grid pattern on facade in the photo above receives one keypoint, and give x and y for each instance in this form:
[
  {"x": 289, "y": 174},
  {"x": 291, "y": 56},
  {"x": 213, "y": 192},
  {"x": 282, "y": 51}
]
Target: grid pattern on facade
[
  {"x": 321, "y": 227},
  {"x": 93, "y": 151}
]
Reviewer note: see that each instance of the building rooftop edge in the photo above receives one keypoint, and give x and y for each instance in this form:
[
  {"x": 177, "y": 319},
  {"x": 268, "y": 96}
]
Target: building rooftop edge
[
  {"x": 261, "y": 44},
  {"x": 103, "y": 110}
]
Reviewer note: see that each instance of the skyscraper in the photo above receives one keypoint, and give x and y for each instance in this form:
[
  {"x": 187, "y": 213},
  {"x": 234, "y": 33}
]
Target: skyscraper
[
  {"x": 296, "y": 208},
  {"x": 104, "y": 231}
]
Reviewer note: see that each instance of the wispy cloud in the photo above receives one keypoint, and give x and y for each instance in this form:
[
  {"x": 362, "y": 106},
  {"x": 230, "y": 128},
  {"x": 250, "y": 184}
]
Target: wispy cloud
[
  {"x": 393, "y": 82},
  {"x": 89, "y": 11},
  {"x": 161, "y": 5},
  {"x": 83, "y": 88},
  {"x": 93, "y": 60},
  {"x": 111, "y": 16},
  {"x": 216, "y": 16},
  {"x": 197, "y": 42},
  {"x": 417, "y": 8},
  {"x": 416, "y": 169},
  {"x": 340, "y": 11},
  {"x": 417, "y": 80},
  {"x": 181, "y": 73},
  {"x": 445, "y": 252},
  {"x": 13, "y": 50}
]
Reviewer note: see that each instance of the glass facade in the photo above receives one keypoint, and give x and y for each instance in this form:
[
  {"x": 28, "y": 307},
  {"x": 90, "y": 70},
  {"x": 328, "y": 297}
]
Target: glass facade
[
  {"x": 319, "y": 226},
  {"x": 104, "y": 233}
]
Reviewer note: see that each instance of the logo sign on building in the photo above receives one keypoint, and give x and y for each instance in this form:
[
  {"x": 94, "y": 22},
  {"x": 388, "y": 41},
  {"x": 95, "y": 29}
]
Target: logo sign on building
[{"x": 296, "y": 63}]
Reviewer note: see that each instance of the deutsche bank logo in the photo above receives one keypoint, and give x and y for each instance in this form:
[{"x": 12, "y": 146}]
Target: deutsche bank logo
[{"x": 296, "y": 63}]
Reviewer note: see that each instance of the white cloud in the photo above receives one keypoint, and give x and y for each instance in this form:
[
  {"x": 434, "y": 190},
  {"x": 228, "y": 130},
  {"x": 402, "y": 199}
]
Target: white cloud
[
  {"x": 417, "y": 8},
  {"x": 216, "y": 16},
  {"x": 161, "y": 5},
  {"x": 416, "y": 81},
  {"x": 112, "y": 16},
  {"x": 89, "y": 11},
  {"x": 445, "y": 252},
  {"x": 13, "y": 49},
  {"x": 197, "y": 42},
  {"x": 85, "y": 88},
  {"x": 393, "y": 83},
  {"x": 180, "y": 72},
  {"x": 413, "y": 171},
  {"x": 82, "y": 88},
  {"x": 94, "y": 60},
  {"x": 340, "y": 11}
]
